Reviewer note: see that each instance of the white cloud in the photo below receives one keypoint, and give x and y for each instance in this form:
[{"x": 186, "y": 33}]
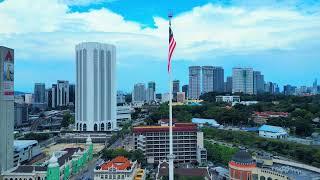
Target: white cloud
[
  {"x": 47, "y": 30},
  {"x": 84, "y": 2}
]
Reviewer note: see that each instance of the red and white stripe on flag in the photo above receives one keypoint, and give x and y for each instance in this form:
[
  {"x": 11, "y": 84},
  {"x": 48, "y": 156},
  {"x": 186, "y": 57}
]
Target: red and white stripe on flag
[{"x": 172, "y": 45}]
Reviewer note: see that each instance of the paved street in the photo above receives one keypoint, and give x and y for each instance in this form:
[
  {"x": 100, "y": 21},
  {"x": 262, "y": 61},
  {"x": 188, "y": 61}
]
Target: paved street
[{"x": 86, "y": 173}]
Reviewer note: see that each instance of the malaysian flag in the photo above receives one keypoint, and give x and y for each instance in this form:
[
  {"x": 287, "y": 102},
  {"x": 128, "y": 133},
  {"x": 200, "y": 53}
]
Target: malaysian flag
[{"x": 172, "y": 45}]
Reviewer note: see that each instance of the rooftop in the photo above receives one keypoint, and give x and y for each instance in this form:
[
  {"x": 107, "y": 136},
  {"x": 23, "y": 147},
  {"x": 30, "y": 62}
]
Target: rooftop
[
  {"x": 176, "y": 127},
  {"x": 203, "y": 121},
  {"x": 185, "y": 172},
  {"x": 21, "y": 144},
  {"x": 273, "y": 129},
  {"x": 29, "y": 169},
  {"x": 242, "y": 156},
  {"x": 119, "y": 163}
]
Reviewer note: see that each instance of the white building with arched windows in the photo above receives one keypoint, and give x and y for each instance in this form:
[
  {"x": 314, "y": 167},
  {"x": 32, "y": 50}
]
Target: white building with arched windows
[{"x": 96, "y": 95}]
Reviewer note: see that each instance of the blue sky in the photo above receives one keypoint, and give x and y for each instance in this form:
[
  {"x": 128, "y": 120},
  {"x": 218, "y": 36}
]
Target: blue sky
[{"x": 278, "y": 37}]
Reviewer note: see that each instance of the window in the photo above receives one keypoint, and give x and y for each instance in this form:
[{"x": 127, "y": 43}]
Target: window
[
  {"x": 102, "y": 127},
  {"x": 80, "y": 129},
  {"x": 262, "y": 178},
  {"x": 84, "y": 127},
  {"x": 95, "y": 127},
  {"x": 109, "y": 125},
  {"x": 269, "y": 178}
]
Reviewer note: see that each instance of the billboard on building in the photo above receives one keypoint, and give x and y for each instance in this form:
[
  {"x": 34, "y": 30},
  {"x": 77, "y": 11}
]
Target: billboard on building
[{"x": 8, "y": 74}]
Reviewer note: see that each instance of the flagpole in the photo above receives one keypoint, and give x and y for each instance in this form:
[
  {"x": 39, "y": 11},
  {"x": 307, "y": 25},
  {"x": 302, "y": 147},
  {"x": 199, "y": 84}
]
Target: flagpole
[{"x": 171, "y": 155}]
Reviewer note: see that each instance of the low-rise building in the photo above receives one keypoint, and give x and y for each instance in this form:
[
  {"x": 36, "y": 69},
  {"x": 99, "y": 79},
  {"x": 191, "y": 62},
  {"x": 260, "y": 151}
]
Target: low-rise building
[
  {"x": 187, "y": 143},
  {"x": 243, "y": 166},
  {"x": 263, "y": 117},
  {"x": 274, "y": 132},
  {"x": 62, "y": 165},
  {"x": 118, "y": 168},
  {"x": 25, "y": 150},
  {"x": 181, "y": 97},
  {"x": 201, "y": 122},
  {"x": 124, "y": 114},
  {"x": 228, "y": 99},
  {"x": 245, "y": 103}
]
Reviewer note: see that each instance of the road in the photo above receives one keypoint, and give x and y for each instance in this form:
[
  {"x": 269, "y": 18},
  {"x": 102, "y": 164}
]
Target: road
[{"x": 87, "y": 173}]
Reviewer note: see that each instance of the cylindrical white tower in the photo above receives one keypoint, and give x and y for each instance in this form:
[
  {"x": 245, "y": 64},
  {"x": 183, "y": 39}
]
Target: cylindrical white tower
[{"x": 96, "y": 87}]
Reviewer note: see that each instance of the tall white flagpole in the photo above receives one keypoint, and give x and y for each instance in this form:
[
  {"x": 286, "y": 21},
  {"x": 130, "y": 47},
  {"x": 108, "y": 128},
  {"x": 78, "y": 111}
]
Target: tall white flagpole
[{"x": 171, "y": 155}]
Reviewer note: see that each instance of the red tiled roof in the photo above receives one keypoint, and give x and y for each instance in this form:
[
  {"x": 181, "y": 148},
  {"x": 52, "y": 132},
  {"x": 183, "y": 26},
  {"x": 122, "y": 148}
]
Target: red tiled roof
[
  {"x": 176, "y": 127},
  {"x": 119, "y": 163}
]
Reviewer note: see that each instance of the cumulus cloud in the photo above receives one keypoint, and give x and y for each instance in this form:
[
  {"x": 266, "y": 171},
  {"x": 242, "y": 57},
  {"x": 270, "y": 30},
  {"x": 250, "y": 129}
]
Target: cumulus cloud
[
  {"x": 84, "y": 2},
  {"x": 203, "y": 32}
]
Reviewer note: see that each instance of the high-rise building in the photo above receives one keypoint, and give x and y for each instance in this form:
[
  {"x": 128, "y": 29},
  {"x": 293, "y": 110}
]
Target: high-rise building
[
  {"x": 96, "y": 95},
  {"x": 175, "y": 88},
  {"x": 21, "y": 114},
  {"x": 218, "y": 79},
  {"x": 54, "y": 92},
  {"x": 258, "y": 82},
  {"x": 150, "y": 95},
  {"x": 121, "y": 98},
  {"x": 6, "y": 107},
  {"x": 152, "y": 85},
  {"x": 185, "y": 89},
  {"x": 271, "y": 88},
  {"x": 207, "y": 79},
  {"x": 28, "y": 98},
  {"x": 229, "y": 84},
  {"x": 194, "y": 82},
  {"x": 62, "y": 93},
  {"x": 151, "y": 92},
  {"x": 289, "y": 90},
  {"x": 39, "y": 92},
  {"x": 48, "y": 98},
  {"x": 315, "y": 87},
  {"x": 242, "y": 80},
  {"x": 72, "y": 94},
  {"x": 139, "y": 93}
]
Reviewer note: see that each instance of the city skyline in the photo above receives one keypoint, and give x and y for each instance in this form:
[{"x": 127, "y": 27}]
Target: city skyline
[{"x": 224, "y": 33}]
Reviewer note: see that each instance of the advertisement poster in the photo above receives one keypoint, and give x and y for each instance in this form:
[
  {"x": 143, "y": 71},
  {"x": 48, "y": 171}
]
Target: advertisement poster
[{"x": 8, "y": 77}]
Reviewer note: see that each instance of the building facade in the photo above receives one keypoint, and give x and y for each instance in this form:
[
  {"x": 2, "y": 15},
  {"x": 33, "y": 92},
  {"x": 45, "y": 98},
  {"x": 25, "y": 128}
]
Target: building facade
[
  {"x": 185, "y": 89},
  {"x": 229, "y": 84},
  {"x": 6, "y": 107},
  {"x": 175, "y": 89},
  {"x": 25, "y": 150},
  {"x": 228, "y": 99},
  {"x": 139, "y": 93},
  {"x": 242, "y": 80},
  {"x": 72, "y": 94},
  {"x": 181, "y": 97},
  {"x": 96, "y": 87},
  {"x": 241, "y": 166},
  {"x": 218, "y": 79},
  {"x": 62, "y": 93},
  {"x": 207, "y": 79},
  {"x": 21, "y": 114},
  {"x": 39, "y": 92},
  {"x": 118, "y": 168},
  {"x": 187, "y": 143},
  {"x": 54, "y": 92},
  {"x": 258, "y": 82},
  {"x": 194, "y": 90},
  {"x": 61, "y": 166}
]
